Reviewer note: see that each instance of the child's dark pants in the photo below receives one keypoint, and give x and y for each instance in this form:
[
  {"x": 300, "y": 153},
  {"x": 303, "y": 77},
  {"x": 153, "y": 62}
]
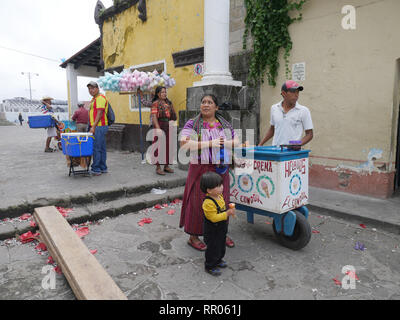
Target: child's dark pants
[{"x": 215, "y": 238}]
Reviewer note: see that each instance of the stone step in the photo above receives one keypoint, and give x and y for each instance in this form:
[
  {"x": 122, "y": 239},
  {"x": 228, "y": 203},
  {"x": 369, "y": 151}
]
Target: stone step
[
  {"x": 88, "y": 198},
  {"x": 100, "y": 209}
]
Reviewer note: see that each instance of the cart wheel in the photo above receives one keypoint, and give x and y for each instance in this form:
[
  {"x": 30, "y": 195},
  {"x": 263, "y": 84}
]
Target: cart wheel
[{"x": 301, "y": 234}]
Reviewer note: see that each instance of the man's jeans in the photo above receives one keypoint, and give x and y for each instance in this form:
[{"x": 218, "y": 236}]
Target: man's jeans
[{"x": 99, "y": 150}]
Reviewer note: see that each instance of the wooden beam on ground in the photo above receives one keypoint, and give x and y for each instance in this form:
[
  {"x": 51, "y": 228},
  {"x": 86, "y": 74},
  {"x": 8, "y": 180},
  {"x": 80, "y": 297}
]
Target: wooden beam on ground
[{"x": 87, "y": 278}]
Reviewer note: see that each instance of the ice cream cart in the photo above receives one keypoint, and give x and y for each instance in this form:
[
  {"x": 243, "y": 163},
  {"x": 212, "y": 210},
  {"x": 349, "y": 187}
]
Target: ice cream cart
[{"x": 273, "y": 182}]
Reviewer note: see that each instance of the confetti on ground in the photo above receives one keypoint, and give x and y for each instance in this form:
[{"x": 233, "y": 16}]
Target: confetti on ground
[
  {"x": 41, "y": 247},
  {"x": 64, "y": 212},
  {"x": 363, "y": 226},
  {"x": 145, "y": 220},
  {"x": 28, "y": 236},
  {"x": 158, "y": 206},
  {"x": 50, "y": 260},
  {"x": 171, "y": 212},
  {"x": 337, "y": 282},
  {"x": 359, "y": 246},
  {"x": 93, "y": 251},
  {"x": 58, "y": 270},
  {"x": 315, "y": 231},
  {"x": 352, "y": 275},
  {"x": 25, "y": 216},
  {"x": 81, "y": 232}
]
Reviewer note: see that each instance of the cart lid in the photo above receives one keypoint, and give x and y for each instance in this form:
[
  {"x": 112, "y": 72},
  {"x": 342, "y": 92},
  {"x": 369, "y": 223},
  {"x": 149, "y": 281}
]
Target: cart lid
[
  {"x": 76, "y": 134},
  {"x": 272, "y": 153}
]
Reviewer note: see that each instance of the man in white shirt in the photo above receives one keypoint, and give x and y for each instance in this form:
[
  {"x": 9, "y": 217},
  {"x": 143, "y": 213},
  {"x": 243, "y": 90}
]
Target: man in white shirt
[{"x": 289, "y": 118}]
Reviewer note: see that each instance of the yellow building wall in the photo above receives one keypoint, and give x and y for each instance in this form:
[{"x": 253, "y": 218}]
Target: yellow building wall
[{"x": 171, "y": 26}]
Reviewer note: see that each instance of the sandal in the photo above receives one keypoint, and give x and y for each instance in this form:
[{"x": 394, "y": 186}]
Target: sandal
[
  {"x": 169, "y": 170},
  {"x": 161, "y": 173},
  {"x": 229, "y": 242},
  {"x": 49, "y": 150},
  {"x": 197, "y": 245}
]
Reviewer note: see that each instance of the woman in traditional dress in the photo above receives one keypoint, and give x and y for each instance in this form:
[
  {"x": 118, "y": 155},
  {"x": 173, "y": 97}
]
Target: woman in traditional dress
[
  {"x": 204, "y": 136},
  {"x": 162, "y": 111}
]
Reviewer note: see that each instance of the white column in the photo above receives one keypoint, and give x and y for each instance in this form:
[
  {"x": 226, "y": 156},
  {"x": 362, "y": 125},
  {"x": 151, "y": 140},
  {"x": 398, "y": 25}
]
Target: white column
[
  {"x": 72, "y": 86},
  {"x": 216, "y": 44}
]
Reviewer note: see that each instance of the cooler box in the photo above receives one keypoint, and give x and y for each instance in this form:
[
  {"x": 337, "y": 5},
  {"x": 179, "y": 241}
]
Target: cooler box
[
  {"x": 77, "y": 144},
  {"x": 274, "y": 179},
  {"x": 41, "y": 121}
]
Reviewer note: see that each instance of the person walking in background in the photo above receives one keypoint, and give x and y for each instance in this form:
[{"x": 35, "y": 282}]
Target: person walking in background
[
  {"x": 20, "y": 118},
  {"x": 46, "y": 108},
  {"x": 98, "y": 127},
  {"x": 289, "y": 118},
  {"x": 162, "y": 112},
  {"x": 81, "y": 117}
]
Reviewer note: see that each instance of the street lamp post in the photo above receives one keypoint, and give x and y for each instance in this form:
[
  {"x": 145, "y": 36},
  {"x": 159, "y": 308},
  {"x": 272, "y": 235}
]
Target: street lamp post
[{"x": 29, "y": 77}]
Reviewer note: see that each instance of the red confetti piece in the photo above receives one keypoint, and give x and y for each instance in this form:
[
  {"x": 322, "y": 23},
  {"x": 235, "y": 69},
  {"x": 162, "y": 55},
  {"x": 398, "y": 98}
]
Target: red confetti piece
[
  {"x": 165, "y": 205},
  {"x": 81, "y": 232},
  {"x": 363, "y": 226},
  {"x": 41, "y": 247},
  {"x": 145, "y": 220},
  {"x": 352, "y": 274},
  {"x": 171, "y": 212},
  {"x": 25, "y": 216},
  {"x": 58, "y": 270},
  {"x": 158, "y": 206},
  {"x": 93, "y": 251},
  {"x": 32, "y": 223},
  {"x": 315, "y": 231},
  {"x": 50, "y": 260},
  {"x": 64, "y": 212},
  {"x": 337, "y": 281},
  {"x": 177, "y": 201},
  {"x": 28, "y": 236},
  {"x": 267, "y": 222}
]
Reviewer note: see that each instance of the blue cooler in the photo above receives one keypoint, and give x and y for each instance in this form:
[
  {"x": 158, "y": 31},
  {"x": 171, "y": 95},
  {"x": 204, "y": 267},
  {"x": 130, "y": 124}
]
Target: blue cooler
[
  {"x": 77, "y": 144},
  {"x": 41, "y": 121}
]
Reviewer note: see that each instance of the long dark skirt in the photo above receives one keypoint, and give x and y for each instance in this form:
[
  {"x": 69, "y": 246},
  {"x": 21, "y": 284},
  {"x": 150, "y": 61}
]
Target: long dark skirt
[
  {"x": 167, "y": 159},
  {"x": 192, "y": 214}
]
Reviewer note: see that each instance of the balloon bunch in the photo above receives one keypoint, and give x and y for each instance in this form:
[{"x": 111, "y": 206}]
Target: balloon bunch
[
  {"x": 132, "y": 80},
  {"x": 110, "y": 82}
]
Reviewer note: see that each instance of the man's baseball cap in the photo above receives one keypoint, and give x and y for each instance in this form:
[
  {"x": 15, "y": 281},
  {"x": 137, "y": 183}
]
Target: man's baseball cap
[
  {"x": 291, "y": 85},
  {"x": 92, "y": 84}
]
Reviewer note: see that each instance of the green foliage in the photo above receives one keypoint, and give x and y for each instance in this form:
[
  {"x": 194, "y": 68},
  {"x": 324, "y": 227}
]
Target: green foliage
[{"x": 269, "y": 21}]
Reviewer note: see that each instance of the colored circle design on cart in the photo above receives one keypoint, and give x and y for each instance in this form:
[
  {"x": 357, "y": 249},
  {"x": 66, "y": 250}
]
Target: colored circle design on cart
[
  {"x": 295, "y": 185},
  {"x": 243, "y": 186},
  {"x": 264, "y": 192},
  {"x": 232, "y": 178}
]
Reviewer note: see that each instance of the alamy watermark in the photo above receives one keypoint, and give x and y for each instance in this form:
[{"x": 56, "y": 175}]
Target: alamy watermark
[
  {"x": 349, "y": 20},
  {"x": 49, "y": 280}
]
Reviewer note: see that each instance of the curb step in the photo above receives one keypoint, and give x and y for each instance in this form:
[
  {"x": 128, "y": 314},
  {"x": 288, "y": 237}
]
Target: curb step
[
  {"x": 100, "y": 209},
  {"x": 89, "y": 198}
]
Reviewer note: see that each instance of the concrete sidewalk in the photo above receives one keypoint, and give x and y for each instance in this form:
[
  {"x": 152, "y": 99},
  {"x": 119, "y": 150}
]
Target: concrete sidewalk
[{"x": 31, "y": 178}]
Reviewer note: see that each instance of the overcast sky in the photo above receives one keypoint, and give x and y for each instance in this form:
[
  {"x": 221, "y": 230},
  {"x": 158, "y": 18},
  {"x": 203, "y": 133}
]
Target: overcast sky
[{"x": 52, "y": 29}]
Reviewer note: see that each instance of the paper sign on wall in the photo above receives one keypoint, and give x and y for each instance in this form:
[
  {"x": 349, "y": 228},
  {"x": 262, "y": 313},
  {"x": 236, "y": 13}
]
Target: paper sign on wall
[{"x": 299, "y": 71}]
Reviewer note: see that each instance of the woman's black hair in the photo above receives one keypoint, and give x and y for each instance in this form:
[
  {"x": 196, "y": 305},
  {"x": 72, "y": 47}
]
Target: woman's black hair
[
  {"x": 158, "y": 90},
  {"x": 214, "y": 98},
  {"x": 210, "y": 180}
]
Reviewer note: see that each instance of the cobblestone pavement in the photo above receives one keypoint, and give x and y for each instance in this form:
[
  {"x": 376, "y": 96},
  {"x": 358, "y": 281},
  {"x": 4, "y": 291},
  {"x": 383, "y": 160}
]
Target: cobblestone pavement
[{"x": 153, "y": 261}]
